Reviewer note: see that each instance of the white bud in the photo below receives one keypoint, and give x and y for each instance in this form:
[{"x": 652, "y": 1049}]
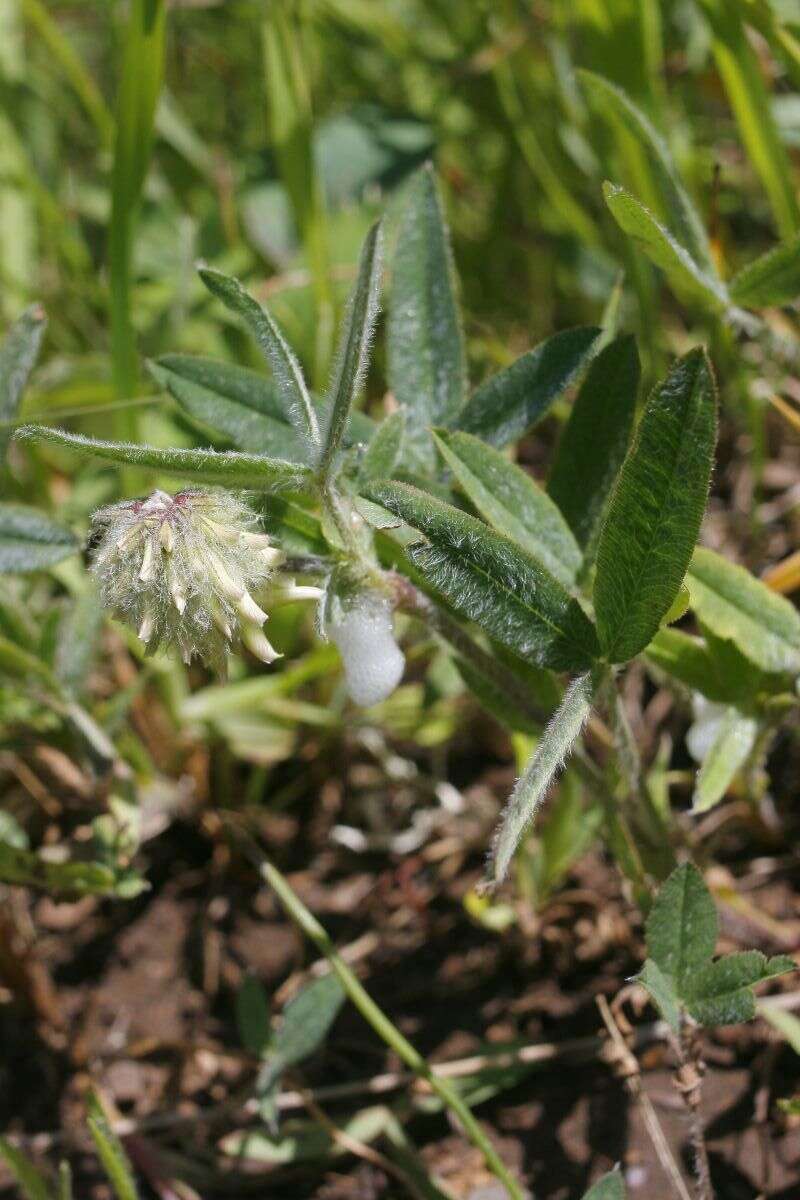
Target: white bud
[{"x": 364, "y": 634}]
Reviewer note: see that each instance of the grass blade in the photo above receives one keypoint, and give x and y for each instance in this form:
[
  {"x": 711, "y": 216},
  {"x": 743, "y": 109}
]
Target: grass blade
[
  {"x": 140, "y": 84},
  {"x": 291, "y": 128},
  {"x": 750, "y": 101}
]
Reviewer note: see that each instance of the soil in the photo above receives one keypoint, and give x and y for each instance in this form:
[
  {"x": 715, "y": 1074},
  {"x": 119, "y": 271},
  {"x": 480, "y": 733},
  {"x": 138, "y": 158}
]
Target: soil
[{"x": 137, "y": 999}]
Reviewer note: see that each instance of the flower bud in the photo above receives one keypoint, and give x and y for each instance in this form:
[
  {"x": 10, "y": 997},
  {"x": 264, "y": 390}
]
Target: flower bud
[
  {"x": 180, "y": 568},
  {"x": 361, "y": 627}
]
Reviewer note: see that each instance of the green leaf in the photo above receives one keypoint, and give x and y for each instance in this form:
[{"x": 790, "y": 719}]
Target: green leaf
[
  {"x": 304, "y": 1027},
  {"x": 425, "y": 342},
  {"x": 253, "y": 1016},
  {"x": 30, "y": 541},
  {"x": 772, "y": 279},
  {"x": 308, "y": 1018},
  {"x": 733, "y": 604},
  {"x": 489, "y": 579},
  {"x": 111, "y": 1154},
  {"x": 554, "y": 746},
  {"x": 685, "y": 276},
  {"x": 682, "y": 925},
  {"x": 655, "y": 511},
  {"x": 610, "y": 1187},
  {"x": 720, "y": 993},
  {"x": 787, "y": 1025},
  {"x": 385, "y": 448},
  {"x": 33, "y": 1184},
  {"x": 695, "y": 664},
  {"x": 512, "y": 502},
  {"x": 205, "y": 466},
  {"x": 661, "y": 989},
  {"x": 245, "y": 407},
  {"x": 285, "y": 368},
  {"x": 18, "y": 353},
  {"x": 65, "y": 1181},
  {"x": 595, "y": 439},
  {"x": 353, "y": 352},
  {"x": 510, "y": 403},
  {"x": 674, "y": 203},
  {"x": 728, "y": 754},
  {"x": 78, "y": 636},
  {"x": 24, "y": 867}
]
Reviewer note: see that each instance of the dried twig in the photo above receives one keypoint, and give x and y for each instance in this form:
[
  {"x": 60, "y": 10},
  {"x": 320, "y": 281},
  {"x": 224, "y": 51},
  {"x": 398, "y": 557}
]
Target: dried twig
[{"x": 629, "y": 1068}]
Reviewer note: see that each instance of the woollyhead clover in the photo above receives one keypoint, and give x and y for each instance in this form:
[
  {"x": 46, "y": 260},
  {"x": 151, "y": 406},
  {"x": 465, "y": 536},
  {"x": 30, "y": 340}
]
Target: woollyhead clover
[{"x": 181, "y": 569}]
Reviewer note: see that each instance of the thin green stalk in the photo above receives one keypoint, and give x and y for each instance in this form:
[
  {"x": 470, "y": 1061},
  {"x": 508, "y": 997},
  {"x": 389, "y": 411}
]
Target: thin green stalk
[
  {"x": 291, "y": 130},
  {"x": 140, "y": 84},
  {"x": 385, "y": 1028}
]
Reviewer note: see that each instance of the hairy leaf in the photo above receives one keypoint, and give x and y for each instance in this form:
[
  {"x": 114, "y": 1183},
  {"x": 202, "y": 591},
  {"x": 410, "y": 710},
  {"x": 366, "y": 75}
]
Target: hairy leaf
[
  {"x": 511, "y": 402},
  {"x": 595, "y": 439},
  {"x": 675, "y": 203},
  {"x": 772, "y": 279},
  {"x": 655, "y": 511},
  {"x": 684, "y": 274},
  {"x": 489, "y": 579},
  {"x": 662, "y": 991},
  {"x": 353, "y": 352},
  {"x": 720, "y": 993},
  {"x": 285, "y": 368},
  {"x": 18, "y": 353},
  {"x": 30, "y": 541},
  {"x": 532, "y": 786},
  {"x": 512, "y": 502},
  {"x": 425, "y": 342},
  {"x": 733, "y": 604},
  {"x": 243, "y": 406},
  {"x": 682, "y": 925},
  {"x": 385, "y": 448},
  {"x": 205, "y": 466}
]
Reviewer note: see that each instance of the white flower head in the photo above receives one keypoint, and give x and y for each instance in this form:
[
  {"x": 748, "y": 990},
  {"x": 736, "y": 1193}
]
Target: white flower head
[
  {"x": 181, "y": 568},
  {"x": 360, "y": 624}
]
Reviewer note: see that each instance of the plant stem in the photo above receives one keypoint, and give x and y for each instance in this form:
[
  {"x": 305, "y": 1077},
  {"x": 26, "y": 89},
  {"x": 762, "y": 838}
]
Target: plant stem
[
  {"x": 689, "y": 1082},
  {"x": 384, "y": 1027}
]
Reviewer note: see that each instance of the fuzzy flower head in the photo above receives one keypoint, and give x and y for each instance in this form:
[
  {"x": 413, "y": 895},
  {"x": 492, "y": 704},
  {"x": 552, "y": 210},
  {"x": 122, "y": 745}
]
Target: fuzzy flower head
[{"x": 180, "y": 570}]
